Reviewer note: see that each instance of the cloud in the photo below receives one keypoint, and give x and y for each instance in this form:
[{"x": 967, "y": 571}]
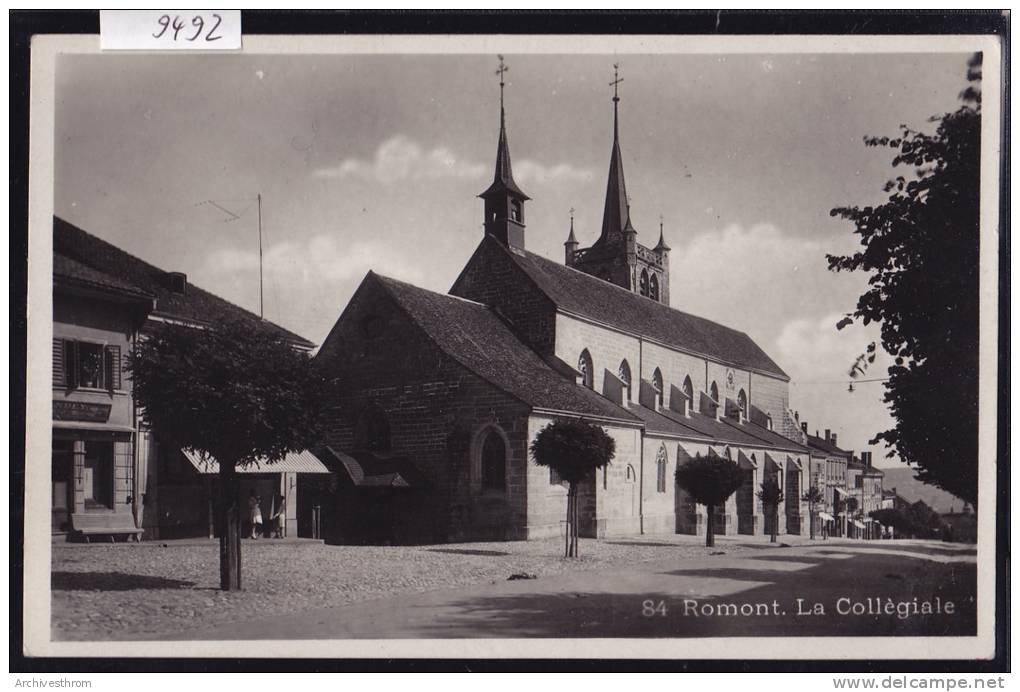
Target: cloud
[
  {"x": 817, "y": 358},
  {"x": 531, "y": 171},
  {"x": 306, "y": 282},
  {"x": 755, "y": 278},
  {"x": 401, "y": 158}
]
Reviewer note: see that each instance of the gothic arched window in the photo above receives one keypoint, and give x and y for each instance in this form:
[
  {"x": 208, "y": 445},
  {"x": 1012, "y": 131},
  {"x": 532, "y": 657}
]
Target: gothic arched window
[
  {"x": 493, "y": 462},
  {"x": 624, "y": 375},
  {"x": 660, "y": 469},
  {"x": 372, "y": 430},
  {"x": 643, "y": 283},
  {"x": 657, "y": 386},
  {"x": 742, "y": 401},
  {"x": 689, "y": 391},
  {"x": 714, "y": 392},
  {"x": 653, "y": 287},
  {"x": 587, "y": 369}
]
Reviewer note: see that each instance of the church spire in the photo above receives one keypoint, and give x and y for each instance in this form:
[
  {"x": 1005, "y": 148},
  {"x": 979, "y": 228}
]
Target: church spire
[
  {"x": 662, "y": 238},
  {"x": 504, "y": 201},
  {"x": 570, "y": 246},
  {"x": 616, "y": 217}
]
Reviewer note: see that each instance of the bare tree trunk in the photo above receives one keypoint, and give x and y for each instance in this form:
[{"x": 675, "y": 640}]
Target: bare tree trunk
[
  {"x": 710, "y": 527},
  {"x": 570, "y": 520},
  {"x": 775, "y": 523},
  {"x": 811, "y": 520},
  {"x": 229, "y": 523},
  {"x": 577, "y": 515}
]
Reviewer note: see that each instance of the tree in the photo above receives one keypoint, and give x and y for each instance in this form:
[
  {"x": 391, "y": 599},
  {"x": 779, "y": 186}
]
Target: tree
[
  {"x": 813, "y": 497},
  {"x": 236, "y": 392},
  {"x": 771, "y": 496},
  {"x": 574, "y": 450},
  {"x": 920, "y": 248},
  {"x": 710, "y": 480}
]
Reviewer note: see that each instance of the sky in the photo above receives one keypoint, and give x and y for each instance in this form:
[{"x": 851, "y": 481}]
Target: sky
[{"x": 375, "y": 162}]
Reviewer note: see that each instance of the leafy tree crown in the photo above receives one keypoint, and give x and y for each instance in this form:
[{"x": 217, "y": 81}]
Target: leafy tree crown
[
  {"x": 573, "y": 448},
  {"x": 236, "y": 390},
  {"x": 709, "y": 479}
]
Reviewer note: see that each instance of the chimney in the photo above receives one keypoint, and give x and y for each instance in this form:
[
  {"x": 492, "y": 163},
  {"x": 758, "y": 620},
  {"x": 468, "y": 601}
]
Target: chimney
[
  {"x": 833, "y": 439},
  {"x": 828, "y": 435},
  {"x": 803, "y": 427},
  {"x": 177, "y": 282}
]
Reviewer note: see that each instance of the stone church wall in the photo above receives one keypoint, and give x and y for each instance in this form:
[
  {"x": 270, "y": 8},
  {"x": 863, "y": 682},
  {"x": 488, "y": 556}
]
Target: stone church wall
[
  {"x": 493, "y": 279},
  {"x": 608, "y": 349},
  {"x": 772, "y": 395},
  {"x": 608, "y": 502},
  {"x": 436, "y": 411}
]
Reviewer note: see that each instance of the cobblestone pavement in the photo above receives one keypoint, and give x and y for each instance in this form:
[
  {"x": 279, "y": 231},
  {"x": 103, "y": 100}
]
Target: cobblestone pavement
[{"x": 125, "y": 590}]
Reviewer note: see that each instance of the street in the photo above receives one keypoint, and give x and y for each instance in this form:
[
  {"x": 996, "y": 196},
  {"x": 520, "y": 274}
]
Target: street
[{"x": 832, "y": 588}]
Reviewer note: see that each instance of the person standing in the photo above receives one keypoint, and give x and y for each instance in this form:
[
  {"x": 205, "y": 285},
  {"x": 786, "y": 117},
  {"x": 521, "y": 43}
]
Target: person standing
[
  {"x": 255, "y": 515},
  {"x": 280, "y": 518}
]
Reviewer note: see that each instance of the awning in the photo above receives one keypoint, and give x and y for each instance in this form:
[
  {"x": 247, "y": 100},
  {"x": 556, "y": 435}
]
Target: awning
[
  {"x": 840, "y": 490},
  {"x": 859, "y": 524},
  {"x": 371, "y": 469},
  {"x": 295, "y": 462},
  {"x": 826, "y": 516}
]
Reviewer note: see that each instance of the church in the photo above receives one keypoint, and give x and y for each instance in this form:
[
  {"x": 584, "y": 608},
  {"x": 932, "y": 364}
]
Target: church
[{"x": 438, "y": 397}]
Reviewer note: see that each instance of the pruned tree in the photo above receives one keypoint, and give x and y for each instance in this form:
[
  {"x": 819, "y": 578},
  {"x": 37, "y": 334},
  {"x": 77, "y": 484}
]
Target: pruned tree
[
  {"x": 920, "y": 249},
  {"x": 574, "y": 450},
  {"x": 771, "y": 496},
  {"x": 709, "y": 480},
  {"x": 813, "y": 497},
  {"x": 235, "y": 392}
]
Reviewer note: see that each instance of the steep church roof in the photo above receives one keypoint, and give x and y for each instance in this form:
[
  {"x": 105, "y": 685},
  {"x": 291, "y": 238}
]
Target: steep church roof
[
  {"x": 585, "y": 295},
  {"x": 475, "y": 337},
  {"x": 83, "y": 251}
]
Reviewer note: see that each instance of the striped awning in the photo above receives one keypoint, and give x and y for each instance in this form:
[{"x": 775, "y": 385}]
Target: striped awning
[{"x": 295, "y": 462}]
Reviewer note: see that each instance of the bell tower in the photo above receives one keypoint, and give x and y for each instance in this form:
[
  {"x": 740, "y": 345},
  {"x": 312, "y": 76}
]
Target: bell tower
[
  {"x": 504, "y": 201},
  {"x": 616, "y": 255}
]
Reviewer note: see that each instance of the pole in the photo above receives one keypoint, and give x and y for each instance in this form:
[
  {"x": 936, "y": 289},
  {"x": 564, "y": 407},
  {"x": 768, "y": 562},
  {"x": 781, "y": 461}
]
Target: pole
[{"x": 261, "y": 306}]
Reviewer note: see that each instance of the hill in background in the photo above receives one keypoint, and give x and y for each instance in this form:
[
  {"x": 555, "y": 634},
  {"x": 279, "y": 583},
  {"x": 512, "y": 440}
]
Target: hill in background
[{"x": 903, "y": 480}]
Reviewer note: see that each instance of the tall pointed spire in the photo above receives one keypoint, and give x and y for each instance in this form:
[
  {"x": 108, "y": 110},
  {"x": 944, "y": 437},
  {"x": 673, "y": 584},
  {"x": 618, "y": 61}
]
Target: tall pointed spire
[
  {"x": 504, "y": 201},
  {"x": 616, "y": 217},
  {"x": 503, "y": 179}
]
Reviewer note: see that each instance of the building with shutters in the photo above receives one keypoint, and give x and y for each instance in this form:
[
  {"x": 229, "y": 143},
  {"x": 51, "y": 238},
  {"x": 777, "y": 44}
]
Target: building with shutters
[
  {"x": 456, "y": 387},
  {"x": 110, "y": 476}
]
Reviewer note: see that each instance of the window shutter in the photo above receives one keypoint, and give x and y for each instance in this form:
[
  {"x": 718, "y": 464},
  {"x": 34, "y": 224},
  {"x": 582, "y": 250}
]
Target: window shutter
[
  {"x": 113, "y": 365},
  {"x": 59, "y": 375},
  {"x": 70, "y": 364}
]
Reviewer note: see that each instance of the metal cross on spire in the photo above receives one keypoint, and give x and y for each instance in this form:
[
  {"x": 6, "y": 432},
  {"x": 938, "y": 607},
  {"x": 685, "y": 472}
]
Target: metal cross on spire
[
  {"x": 616, "y": 82},
  {"x": 501, "y": 71}
]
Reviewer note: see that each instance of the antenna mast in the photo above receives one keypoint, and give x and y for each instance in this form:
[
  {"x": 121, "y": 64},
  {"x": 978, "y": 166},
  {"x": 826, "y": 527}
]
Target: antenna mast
[{"x": 262, "y": 314}]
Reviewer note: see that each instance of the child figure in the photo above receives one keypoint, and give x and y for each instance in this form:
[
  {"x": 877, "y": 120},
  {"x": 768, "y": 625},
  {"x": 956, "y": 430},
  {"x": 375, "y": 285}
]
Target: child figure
[
  {"x": 255, "y": 515},
  {"x": 280, "y": 519}
]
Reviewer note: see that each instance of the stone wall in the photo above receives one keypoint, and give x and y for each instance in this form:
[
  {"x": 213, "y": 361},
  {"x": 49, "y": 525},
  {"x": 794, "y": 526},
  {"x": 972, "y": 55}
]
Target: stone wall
[{"x": 437, "y": 412}]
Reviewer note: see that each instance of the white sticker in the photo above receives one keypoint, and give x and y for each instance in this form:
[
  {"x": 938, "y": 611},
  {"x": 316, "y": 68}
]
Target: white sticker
[{"x": 170, "y": 29}]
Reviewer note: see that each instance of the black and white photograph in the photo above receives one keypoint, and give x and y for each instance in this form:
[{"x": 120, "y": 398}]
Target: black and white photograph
[{"x": 661, "y": 347}]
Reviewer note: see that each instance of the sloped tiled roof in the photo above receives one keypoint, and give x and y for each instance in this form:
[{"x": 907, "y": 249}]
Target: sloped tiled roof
[
  {"x": 698, "y": 426},
  {"x": 195, "y": 304},
  {"x": 822, "y": 445},
  {"x": 68, "y": 269},
  {"x": 585, "y": 295},
  {"x": 476, "y": 338}
]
